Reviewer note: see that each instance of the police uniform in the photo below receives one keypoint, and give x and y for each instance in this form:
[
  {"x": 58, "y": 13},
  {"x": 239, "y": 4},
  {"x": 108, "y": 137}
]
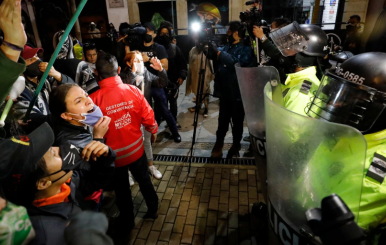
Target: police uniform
[{"x": 299, "y": 89}]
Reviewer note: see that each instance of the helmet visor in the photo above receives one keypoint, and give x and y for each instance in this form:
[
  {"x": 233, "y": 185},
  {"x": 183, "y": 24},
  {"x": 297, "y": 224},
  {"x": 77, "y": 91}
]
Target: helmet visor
[
  {"x": 290, "y": 39},
  {"x": 344, "y": 102}
]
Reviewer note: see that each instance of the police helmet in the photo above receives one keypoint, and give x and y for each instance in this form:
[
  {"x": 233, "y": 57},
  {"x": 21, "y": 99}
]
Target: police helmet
[
  {"x": 309, "y": 40},
  {"x": 341, "y": 57},
  {"x": 354, "y": 94}
]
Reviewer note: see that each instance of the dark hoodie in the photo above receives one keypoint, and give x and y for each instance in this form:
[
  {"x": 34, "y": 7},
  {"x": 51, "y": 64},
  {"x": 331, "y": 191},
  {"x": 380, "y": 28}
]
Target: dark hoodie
[{"x": 177, "y": 65}]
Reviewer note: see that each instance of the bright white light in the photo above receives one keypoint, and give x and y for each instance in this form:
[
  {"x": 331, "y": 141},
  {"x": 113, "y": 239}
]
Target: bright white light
[{"x": 196, "y": 26}]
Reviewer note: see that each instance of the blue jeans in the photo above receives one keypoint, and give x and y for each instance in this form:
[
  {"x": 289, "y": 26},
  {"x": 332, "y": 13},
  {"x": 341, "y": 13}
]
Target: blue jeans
[{"x": 161, "y": 103}]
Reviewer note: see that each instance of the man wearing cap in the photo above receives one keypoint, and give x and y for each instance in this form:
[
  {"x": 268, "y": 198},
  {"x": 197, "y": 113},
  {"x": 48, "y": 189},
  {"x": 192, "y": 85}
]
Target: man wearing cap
[
  {"x": 152, "y": 49},
  {"x": 34, "y": 70},
  {"x": 49, "y": 181}
]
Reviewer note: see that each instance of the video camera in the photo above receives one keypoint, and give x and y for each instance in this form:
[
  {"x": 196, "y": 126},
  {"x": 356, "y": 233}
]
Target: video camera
[
  {"x": 205, "y": 31},
  {"x": 133, "y": 35},
  {"x": 253, "y": 16}
]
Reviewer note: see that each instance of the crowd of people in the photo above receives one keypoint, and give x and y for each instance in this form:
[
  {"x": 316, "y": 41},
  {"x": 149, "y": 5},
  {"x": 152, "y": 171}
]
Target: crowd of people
[
  {"x": 94, "y": 120},
  {"x": 91, "y": 126}
]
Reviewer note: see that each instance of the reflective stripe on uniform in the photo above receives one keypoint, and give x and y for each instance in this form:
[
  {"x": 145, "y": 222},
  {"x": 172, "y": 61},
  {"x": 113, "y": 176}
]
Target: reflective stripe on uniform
[
  {"x": 131, "y": 153},
  {"x": 129, "y": 146}
]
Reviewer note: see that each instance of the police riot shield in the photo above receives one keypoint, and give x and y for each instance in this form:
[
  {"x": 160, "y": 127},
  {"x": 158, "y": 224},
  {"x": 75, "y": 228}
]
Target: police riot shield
[
  {"x": 251, "y": 82},
  {"x": 307, "y": 160}
]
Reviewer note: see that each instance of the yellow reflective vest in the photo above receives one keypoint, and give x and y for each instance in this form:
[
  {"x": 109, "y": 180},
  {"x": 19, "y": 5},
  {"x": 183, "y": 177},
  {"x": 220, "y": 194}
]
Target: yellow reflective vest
[{"x": 299, "y": 90}]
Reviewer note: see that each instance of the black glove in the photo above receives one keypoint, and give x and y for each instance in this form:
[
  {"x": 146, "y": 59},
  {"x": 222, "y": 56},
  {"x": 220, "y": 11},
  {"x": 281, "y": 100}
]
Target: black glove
[
  {"x": 212, "y": 51},
  {"x": 214, "y": 48}
]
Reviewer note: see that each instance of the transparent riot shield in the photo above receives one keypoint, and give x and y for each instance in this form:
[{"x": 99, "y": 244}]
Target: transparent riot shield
[
  {"x": 251, "y": 82},
  {"x": 307, "y": 160}
]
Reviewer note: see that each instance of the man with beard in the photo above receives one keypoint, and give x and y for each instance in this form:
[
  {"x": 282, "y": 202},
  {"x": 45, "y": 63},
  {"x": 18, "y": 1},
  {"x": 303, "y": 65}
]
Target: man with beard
[
  {"x": 177, "y": 68},
  {"x": 227, "y": 88}
]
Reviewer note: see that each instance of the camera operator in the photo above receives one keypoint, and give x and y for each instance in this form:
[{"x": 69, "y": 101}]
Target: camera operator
[
  {"x": 276, "y": 59},
  {"x": 269, "y": 48},
  {"x": 227, "y": 89},
  {"x": 119, "y": 47}
]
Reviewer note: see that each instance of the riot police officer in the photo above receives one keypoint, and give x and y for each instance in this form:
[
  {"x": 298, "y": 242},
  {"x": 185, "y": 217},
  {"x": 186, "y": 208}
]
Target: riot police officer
[
  {"x": 306, "y": 43},
  {"x": 355, "y": 95}
]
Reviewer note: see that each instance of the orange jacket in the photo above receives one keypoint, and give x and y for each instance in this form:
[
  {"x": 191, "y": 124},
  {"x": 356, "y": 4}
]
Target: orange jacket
[{"x": 128, "y": 109}]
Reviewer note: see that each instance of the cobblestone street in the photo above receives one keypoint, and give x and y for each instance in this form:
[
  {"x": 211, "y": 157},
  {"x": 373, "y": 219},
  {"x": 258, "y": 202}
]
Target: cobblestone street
[{"x": 211, "y": 205}]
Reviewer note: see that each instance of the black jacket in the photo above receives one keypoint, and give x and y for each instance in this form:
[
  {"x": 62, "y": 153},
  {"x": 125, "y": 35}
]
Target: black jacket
[
  {"x": 178, "y": 68},
  {"x": 50, "y": 221},
  {"x": 80, "y": 137},
  {"x": 78, "y": 71},
  {"x": 283, "y": 64},
  {"x": 65, "y": 132},
  {"x": 226, "y": 85},
  {"x": 151, "y": 80}
]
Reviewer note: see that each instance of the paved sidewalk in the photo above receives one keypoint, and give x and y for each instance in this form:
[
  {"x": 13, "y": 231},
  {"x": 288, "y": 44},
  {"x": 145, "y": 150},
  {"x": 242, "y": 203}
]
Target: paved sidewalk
[
  {"x": 211, "y": 205},
  {"x": 206, "y": 130}
]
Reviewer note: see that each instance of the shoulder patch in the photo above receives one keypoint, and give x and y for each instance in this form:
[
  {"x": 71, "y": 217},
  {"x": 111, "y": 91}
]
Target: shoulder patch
[
  {"x": 306, "y": 86},
  {"x": 285, "y": 92},
  {"x": 377, "y": 170}
]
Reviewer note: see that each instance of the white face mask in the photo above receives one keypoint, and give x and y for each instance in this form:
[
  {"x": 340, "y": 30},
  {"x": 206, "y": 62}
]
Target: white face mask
[{"x": 139, "y": 67}]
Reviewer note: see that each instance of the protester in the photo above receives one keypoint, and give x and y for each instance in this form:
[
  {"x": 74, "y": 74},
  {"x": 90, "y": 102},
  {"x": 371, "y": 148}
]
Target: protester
[
  {"x": 173, "y": 35},
  {"x": 152, "y": 49},
  {"x": 93, "y": 31},
  {"x": 67, "y": 49},
  {"x": 91, "y": 55},
  {"x": 14, "y": 40},
  {"x": 87, "y": 228},
  {"x": 135, "y": 73},
  {"x": 59, "y": 188},
  {"x": 80, "y": 72},
  {"x": 128, "y": 109},
  {"x": 177, "y": 68},
  {"x": 77, "y": 120},
  {"x": 48, "y": 180},
  {"x": 112, "y": 33},
  {"x": 227, "y": 88},
  {"x": 34, "y": 71}
]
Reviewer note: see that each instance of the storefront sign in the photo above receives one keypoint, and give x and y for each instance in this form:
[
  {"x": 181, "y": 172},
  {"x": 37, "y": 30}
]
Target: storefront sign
[{"x": 116, "y": 4}]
